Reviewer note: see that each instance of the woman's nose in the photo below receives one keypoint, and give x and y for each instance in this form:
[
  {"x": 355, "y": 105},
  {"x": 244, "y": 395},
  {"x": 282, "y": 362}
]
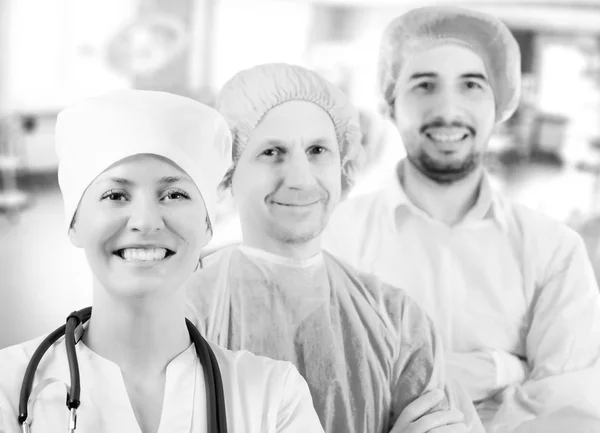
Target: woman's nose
[{"x": 146, "y": 216}]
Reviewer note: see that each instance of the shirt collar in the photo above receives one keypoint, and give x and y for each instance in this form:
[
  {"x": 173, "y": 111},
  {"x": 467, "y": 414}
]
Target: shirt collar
[{"x": 488, "y": 205}]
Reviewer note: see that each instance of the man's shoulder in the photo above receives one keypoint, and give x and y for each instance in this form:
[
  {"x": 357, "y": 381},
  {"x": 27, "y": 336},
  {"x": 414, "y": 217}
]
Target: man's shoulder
[
  {"x": 214, "y": 265},
  {"x": 399, "y": 314},
  {"x": 207, "y": 287},
  {"x": 535, "y": 225},
  {"x": 381, "y": 294},
  {"x": 219, "y": 256},
  {"x": 361, "y": 202},
  {"x": 351, "y": 223}
]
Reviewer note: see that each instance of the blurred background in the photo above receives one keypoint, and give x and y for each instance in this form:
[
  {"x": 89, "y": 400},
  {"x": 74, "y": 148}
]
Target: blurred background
[{"x": 55, "y": 51}]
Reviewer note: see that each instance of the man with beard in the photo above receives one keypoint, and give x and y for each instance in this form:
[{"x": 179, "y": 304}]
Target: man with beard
[
  {"x": 511, "y": 291},
  {"x": 369, "y": 354}
]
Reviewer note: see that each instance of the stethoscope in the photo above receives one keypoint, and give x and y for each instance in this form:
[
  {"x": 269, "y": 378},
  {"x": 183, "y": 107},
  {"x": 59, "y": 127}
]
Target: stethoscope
[{"x": 73, "y": 330}]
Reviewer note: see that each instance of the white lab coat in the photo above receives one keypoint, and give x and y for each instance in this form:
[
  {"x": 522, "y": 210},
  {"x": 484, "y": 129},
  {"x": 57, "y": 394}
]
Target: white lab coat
[
  {"x": 262, "y": 395},
  {"x": 505, "y": 280}
]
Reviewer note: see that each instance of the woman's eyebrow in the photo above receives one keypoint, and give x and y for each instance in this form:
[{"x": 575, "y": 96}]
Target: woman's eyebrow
[{"x": 165, "y": 180}]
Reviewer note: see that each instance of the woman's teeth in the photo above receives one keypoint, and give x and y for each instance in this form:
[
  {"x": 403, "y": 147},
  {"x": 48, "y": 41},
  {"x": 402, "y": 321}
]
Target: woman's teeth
[{"x": 143, "y": 254}]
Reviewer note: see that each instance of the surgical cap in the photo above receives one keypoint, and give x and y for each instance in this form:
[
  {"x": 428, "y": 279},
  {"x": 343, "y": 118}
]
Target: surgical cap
[
  {"x": 485, "y": 35},
  {"x": 95, "y": 133},
  {"x": 247, "y": 97}
]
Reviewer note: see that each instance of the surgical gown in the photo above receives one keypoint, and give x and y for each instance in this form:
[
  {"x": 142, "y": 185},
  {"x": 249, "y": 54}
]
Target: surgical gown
[
  {"x": 506, "y": 281},
  {"x": 366, "y": 351},
  {"x": 261, "y": 395}
]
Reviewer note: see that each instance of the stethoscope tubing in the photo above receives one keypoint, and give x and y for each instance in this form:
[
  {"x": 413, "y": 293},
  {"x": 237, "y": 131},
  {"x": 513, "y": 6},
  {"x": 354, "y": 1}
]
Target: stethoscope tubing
[{"x": 216, "y": 409}]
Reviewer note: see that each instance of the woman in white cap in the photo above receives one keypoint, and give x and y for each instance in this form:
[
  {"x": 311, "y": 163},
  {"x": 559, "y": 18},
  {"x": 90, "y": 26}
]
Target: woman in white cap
[{"x": 138, "y": 171}]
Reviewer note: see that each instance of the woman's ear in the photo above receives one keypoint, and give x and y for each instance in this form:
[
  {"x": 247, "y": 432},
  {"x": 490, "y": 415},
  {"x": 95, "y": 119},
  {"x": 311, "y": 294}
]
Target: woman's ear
[{"x": 74, "y": 238}]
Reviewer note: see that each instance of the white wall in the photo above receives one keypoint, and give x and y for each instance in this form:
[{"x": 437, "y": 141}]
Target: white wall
[
  {"x": 56, "y": 50},
  {"x": 251, "y": 32},
  {"x": 579, "y": 16}
]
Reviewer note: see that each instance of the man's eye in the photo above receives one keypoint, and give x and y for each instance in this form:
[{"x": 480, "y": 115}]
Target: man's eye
[
  {"x": 317, "y": 150},
  {"x": 425, "y": 86},
  {"x": 473, "y": 85},
  {"x": 271, "y": 152}
]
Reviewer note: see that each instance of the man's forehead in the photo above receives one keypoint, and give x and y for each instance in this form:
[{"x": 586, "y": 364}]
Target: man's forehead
[
  {"x": 291, "y": 140},
  {"x": 446, "y": 60},
  {"x": 293, "y": 121}
]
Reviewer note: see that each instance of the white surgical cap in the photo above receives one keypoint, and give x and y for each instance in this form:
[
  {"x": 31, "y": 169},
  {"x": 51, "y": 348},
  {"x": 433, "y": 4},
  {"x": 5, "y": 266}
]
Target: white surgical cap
[
  {"x": 487, "y": 36},
  {"x": 97, "y": 132},
  {"x": 250, "y": 94}
]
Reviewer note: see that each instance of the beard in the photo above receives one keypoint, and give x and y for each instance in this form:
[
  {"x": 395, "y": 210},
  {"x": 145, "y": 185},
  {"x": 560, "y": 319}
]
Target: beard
[
  {"x": 444, "y": 170},
  {"x": 445, "y": 173}
]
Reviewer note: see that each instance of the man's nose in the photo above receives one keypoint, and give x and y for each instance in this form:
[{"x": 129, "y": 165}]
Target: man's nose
[
  {"x": 448, "y": 107},
  {"x": 298, "y": 172}
]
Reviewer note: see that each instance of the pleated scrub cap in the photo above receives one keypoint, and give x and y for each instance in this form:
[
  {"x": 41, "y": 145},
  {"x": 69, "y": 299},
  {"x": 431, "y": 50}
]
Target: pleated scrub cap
[
  {"x": 247, "y": 97},
  {"x": 93, "y": 134},
  {"x": 427, "y": 27}
]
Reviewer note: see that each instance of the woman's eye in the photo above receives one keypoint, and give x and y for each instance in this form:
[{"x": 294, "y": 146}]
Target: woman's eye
[
  {"x": 114, "y": 196},
  {"x": 177, "y": 195}
]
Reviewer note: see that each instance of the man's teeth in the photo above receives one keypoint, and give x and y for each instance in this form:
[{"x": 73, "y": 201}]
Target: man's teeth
[
  {"x": 447, "y": 138},
  {"x": 145, "y": 254}
]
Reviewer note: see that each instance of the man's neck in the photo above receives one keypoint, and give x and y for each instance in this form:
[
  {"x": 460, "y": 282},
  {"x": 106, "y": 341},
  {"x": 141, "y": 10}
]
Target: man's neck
[
  {"x": 448, "y": 203},
  {"x": 290, "y": 250}
]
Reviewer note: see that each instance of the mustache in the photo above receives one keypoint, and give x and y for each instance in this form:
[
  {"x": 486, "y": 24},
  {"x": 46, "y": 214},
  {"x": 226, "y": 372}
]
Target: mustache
[{"x": 439, "y": 123}]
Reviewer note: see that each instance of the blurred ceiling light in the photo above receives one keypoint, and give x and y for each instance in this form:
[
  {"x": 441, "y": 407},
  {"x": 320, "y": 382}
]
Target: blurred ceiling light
[{"x": 147, "y": 46}]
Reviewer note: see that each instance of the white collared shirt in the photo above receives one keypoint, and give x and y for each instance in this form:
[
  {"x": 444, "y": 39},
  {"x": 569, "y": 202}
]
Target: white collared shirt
[{"x": 505, "y": 278}]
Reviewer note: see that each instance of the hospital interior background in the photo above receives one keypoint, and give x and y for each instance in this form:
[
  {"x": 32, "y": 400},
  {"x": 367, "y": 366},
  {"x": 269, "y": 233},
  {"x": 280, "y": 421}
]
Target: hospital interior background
[{"x": 55, "y": 51}]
